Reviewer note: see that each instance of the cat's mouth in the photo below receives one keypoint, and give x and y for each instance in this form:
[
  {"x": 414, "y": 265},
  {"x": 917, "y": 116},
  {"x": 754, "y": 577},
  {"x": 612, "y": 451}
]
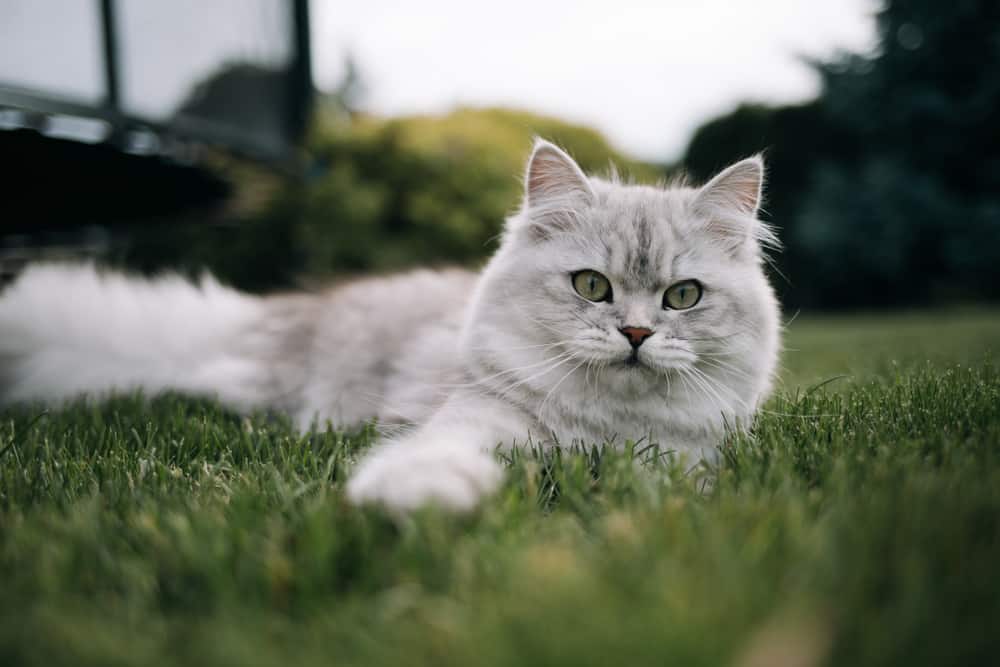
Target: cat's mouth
[
  {"x": 632, "y": 360},
  {"x": 665, "y": 361}
]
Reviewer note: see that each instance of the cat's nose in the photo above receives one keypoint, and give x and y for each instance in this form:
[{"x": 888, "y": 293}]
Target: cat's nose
[{"x": 636, "y": 335}]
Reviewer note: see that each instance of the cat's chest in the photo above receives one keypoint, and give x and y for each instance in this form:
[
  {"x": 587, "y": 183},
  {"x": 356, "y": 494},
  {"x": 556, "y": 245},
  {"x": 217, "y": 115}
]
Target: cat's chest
[{"x": 592, "y": 415}]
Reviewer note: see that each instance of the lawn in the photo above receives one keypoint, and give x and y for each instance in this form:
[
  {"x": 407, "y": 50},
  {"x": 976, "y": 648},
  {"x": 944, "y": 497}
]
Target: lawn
[{"x": 858, "y": 525}]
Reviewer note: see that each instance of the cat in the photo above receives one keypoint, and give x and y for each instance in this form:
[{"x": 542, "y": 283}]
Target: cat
[{"x": 610, "y": 311}]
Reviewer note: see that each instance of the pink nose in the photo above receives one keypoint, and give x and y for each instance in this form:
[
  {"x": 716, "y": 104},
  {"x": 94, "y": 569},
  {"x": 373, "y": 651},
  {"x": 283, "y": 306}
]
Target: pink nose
[{"x": 636, "y": 335}]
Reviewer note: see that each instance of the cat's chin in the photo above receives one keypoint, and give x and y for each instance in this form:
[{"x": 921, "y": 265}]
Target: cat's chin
[
  {"x": 644, "y": 363},
  {"x": 636, "y": 365},
  {"x": 661, "y": 364}
]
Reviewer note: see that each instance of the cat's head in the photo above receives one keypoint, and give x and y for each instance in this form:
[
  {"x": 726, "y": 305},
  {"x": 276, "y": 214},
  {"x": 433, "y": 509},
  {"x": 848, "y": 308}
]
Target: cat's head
[{"x": 639, "y": 282}]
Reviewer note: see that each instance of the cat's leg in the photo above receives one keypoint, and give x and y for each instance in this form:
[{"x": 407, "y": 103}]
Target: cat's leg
[{"x": 448, "y": 462}]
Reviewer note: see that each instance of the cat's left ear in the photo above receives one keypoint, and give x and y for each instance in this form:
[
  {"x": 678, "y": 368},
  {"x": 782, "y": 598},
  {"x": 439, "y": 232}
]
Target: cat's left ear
[
  {"x": 555, "y": 191},
  {"x": 729, "y": 203}
]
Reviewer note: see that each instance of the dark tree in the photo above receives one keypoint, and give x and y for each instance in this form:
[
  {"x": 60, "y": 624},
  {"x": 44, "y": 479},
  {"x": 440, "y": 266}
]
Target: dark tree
[{"x": 887, "y": 188}]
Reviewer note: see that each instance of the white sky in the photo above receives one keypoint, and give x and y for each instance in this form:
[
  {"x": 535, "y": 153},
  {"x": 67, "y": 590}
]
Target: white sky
[{"x": 646, "y": 73}]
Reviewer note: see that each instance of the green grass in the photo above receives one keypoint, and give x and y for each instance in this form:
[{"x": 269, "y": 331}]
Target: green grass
[
  {"x": 871, "y": 346},
  {"x": 859, "y": 525}
]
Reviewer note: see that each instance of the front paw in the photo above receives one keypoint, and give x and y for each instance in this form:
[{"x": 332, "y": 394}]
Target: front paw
[{"x": 404, "y": 477}]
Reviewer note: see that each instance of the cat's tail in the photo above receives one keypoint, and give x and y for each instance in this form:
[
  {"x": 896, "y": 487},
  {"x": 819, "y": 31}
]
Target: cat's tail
[{"x": 68, "y": 330}]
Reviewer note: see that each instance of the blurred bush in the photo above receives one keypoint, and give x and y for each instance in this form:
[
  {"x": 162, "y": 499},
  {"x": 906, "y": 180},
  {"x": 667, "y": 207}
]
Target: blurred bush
[{"x": 425, "y": 189}]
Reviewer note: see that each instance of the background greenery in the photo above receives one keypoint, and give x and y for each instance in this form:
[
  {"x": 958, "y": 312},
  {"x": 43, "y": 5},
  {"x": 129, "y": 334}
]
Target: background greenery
[
  {"x": 859, "y": 525},
  {"x": 885, "y": 189}
]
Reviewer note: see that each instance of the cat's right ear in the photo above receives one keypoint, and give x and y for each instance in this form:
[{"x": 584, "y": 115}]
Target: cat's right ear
[
  {"x": 554, "y": 187},
  {"x": 729, "y": 204}
]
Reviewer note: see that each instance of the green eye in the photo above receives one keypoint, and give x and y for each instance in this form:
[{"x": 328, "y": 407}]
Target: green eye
[
  {"x": 682, "y": 295},
  {"x": 592, "y": 285}
]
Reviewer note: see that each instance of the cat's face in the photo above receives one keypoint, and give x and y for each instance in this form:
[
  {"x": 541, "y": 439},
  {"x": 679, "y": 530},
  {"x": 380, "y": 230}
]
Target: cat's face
[{"x": 634, "y": 285}]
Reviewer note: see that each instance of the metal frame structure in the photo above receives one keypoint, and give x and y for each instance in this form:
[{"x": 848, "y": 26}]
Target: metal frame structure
[{"x": 173, "y": 137}]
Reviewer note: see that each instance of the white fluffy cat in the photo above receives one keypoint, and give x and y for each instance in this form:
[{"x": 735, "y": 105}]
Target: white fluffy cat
[{"x": 609, "y": 312}]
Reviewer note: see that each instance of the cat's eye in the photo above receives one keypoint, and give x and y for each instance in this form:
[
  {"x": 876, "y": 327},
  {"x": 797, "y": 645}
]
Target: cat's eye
[
  {"x": 592, "y": 285},
  {"x": 682, "y": 295}
]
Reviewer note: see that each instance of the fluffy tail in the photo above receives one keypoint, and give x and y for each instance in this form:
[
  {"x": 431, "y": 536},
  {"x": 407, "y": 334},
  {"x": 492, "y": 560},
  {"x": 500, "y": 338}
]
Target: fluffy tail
[{"x": 71, "y": 330}]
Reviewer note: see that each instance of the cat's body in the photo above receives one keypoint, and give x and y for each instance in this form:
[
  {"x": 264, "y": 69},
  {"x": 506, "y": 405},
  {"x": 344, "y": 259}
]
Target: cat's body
[
  {"x": 462, "y": 362},
  {"x": 379, "y": 348}
]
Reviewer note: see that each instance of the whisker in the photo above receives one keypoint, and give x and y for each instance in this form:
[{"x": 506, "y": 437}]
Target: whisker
[
  {"x": 541, "y": 407},
  {"x": 508, "y": 371},
  {"x": 721, "y": 365},
  {"x": 506, "y": 390},
  {"x": 493, "y": 348}
]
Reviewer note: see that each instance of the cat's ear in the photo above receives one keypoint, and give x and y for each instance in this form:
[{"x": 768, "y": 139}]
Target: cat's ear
[
  {"x": 552, "y": 177},
  {"x": 729, "y": 202},
  {"x": 737, "y": 187},
  {"x": 555, "y": 191}
]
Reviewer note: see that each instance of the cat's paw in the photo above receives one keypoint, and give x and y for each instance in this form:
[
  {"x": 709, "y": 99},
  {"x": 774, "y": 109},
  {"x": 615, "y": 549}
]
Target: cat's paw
[{"x": 403, "y": 477}]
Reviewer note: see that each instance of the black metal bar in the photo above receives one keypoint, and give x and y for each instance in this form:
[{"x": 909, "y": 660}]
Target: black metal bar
[
  {"x": 112, "y": 98},
  {"x": 30, "y": 100},
  {"x": 300, "y": 90}
]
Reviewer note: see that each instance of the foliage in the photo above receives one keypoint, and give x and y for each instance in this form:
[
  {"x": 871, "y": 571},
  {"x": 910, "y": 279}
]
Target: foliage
[{"x": 860, "y": 524}]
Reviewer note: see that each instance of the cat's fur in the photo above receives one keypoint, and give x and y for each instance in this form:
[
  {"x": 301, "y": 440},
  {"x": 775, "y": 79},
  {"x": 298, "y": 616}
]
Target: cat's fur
[{"x": 471, "y": 362}]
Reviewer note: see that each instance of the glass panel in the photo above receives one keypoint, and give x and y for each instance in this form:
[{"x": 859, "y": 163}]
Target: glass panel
[
  {"x": 53, "y": 47},
  {"x": 223, "y": 61}
]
